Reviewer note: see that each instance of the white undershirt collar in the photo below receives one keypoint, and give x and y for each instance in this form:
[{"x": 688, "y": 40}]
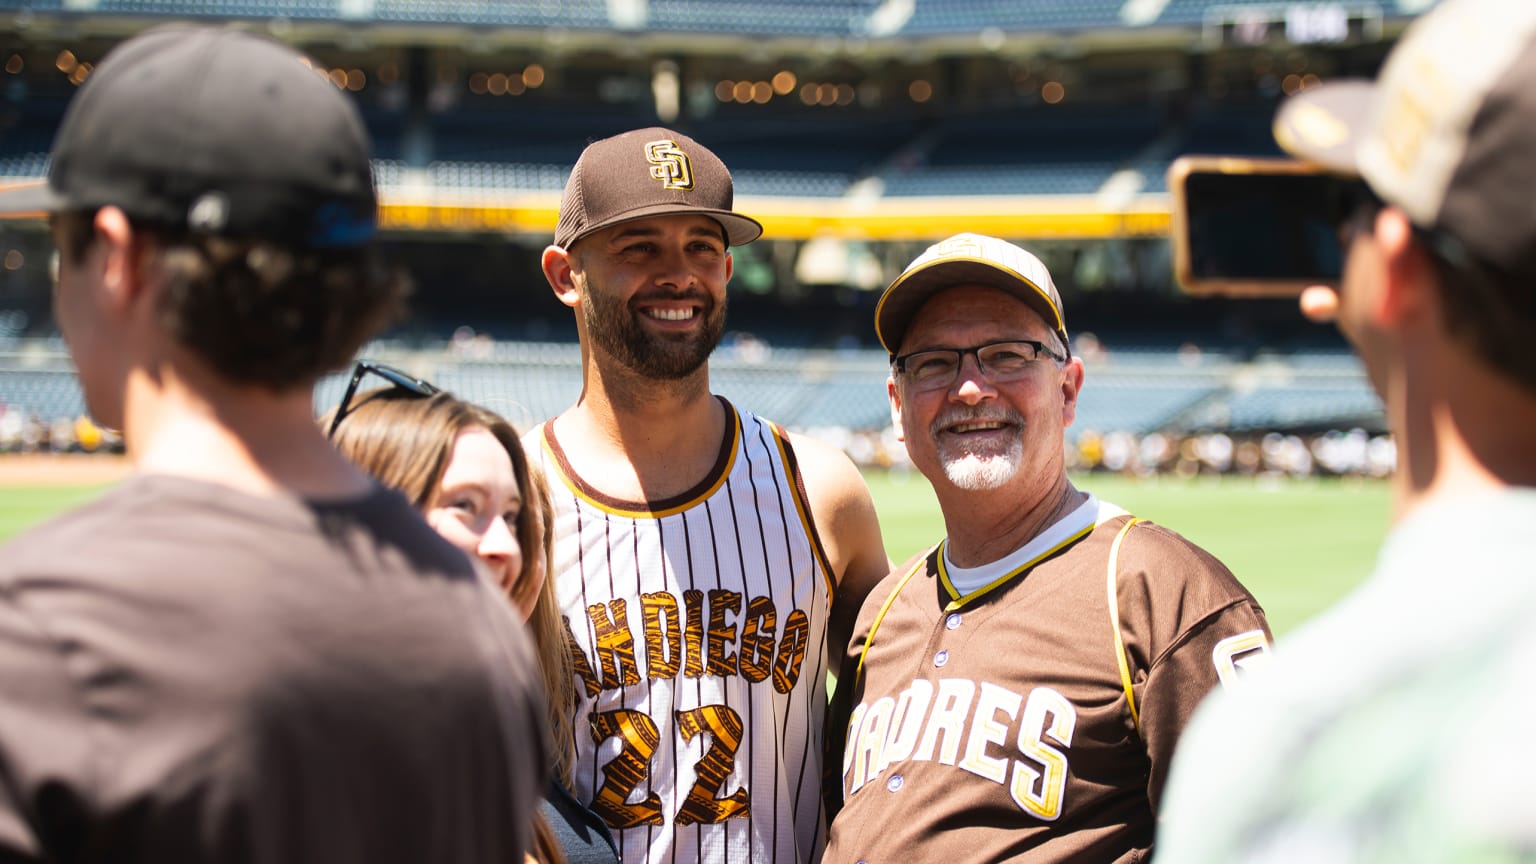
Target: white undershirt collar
[{"x": 1091, "y": 512}]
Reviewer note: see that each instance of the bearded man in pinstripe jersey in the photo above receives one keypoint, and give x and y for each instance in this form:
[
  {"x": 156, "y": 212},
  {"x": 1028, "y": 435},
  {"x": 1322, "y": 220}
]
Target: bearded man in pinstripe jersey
[{"x": 707, "y": 562}]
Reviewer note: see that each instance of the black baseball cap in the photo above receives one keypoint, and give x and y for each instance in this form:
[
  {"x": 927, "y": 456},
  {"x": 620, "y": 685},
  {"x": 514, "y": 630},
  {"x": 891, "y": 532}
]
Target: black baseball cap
[
  {"x": 217, "y": 131},
  {"x": 644, "y": 173}
]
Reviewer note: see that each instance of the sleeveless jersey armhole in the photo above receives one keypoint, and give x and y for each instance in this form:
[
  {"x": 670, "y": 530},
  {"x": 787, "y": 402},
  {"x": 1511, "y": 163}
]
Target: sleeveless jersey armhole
[{"x": 803, "y": 505}]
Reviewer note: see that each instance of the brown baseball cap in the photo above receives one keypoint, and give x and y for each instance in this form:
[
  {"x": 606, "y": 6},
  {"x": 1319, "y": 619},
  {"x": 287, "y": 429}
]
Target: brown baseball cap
[
  {"x": 1446, "y": 133},
  {"x": 644, "y": 173},
  {"x": 968, "y": 259}
]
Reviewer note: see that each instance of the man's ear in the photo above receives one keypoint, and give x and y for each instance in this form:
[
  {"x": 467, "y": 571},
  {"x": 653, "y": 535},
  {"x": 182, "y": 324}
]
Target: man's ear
[
  {"x": 1407, "y": 293},
  {"x": 1071, "y": 385},
  {"x": 895, "y": 397},
  {"x": 121, "y": 250},
  {"x": 559, "y": 271}
]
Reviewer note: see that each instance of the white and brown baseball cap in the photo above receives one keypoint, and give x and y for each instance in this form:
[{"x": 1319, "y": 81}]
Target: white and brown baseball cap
[
  {"x": 1446, "y": 133},
  {"x": 216, "y": 131},
  {"x": 968, "y": 259},
  {"x": 644, "y": 173}
]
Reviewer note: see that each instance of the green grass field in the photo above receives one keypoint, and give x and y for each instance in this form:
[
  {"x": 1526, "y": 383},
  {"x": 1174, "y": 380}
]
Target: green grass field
[
  {"x": 1298, "y": 546},
  {"x": 22, "y": 506}
]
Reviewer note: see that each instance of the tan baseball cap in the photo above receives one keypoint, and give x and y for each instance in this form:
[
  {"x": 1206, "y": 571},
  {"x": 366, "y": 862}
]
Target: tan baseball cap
[
  {"x": 643, "y": 173},
  {"x": 968, "y": 259},
  {"x": 1446, "y": 133}
]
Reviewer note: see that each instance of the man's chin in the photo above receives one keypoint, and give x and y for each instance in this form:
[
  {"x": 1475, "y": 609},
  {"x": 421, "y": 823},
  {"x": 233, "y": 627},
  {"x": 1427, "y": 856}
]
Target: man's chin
[
  {"x": 981, "y": 473},
  {"x": 668, "y": 368}
]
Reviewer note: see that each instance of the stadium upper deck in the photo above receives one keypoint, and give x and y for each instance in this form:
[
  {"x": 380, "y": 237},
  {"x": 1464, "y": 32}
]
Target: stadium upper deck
[
  {"x": 880, "y": 124},
  {"x": 857, "y": 118},
  {"x": 874, "y": 19}
]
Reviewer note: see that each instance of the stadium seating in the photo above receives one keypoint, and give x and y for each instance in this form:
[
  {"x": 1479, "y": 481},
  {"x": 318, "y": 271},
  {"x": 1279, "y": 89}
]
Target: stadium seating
[
  {"x": 983, "y": 132},
  {"x": 782, "y": 17},
  {"x": 812, "y": 18},
  {"x": 1042, "y": 150},
  {"x": 1138, "y": 404},
  {"x": 963, "y": 16},
  {"x": 1200, "y": 11},
  {"x": 574, "y": 14},
  {"x": 1293, "y": 406},
  {"x": 50, "y": 393},
  {"x": 1138, "y": 393},
  {"x": 316, "y": 9}
]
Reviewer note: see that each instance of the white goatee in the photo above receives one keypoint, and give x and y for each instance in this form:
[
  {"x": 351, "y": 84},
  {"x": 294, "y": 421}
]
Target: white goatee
[{"x": 978, "y": 473}]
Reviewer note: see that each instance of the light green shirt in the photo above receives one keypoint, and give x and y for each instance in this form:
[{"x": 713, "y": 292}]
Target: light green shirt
[{"x": 1399, "y": 726}]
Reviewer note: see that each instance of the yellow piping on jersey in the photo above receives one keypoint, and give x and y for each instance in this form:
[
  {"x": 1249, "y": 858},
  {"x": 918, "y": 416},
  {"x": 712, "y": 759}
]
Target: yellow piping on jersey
[
  {"x": 956, "y": 601},
  {"x": 570, "y": 484},
  {"x": 858, "y": 671},
  {"x": 803, "y": 507},
  {"x": 1114, "y": 622}
]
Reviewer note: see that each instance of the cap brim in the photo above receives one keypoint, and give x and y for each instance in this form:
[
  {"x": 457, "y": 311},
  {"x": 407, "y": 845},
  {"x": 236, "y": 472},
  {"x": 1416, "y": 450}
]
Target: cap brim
[
  {"x": 29, "y": 199},
  {"x": 1323, "y": 124},
  {"x": 912, "y": 289},
  {"x": 739, "y": 230}
]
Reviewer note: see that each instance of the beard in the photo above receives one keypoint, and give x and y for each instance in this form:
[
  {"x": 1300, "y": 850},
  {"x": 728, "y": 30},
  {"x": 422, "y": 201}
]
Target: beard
[
  {"x": 984, "y": 467},
  {"x": 616, "y": 327}
]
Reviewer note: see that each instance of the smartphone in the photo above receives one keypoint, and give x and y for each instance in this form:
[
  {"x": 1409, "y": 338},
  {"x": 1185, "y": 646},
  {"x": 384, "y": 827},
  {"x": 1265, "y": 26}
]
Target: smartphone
[{"x": 1256, "y": 227}]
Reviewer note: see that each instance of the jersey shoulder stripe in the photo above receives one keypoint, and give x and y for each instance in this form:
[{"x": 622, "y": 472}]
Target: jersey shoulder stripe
[{"x": 803, "y": 503}]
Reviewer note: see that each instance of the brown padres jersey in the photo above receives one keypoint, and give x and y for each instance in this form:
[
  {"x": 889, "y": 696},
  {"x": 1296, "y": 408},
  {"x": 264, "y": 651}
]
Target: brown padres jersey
[
  {"x": 697, "y": 628},
  {"x": 1001, "y": 726}
]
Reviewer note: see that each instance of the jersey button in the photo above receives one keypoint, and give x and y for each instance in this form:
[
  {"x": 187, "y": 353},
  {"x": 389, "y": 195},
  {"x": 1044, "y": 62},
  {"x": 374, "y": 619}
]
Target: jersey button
[
  {"x": 895, "y": 783},
  {"x": 941, "y": 658},
  {"x": 953, "y": 621}
]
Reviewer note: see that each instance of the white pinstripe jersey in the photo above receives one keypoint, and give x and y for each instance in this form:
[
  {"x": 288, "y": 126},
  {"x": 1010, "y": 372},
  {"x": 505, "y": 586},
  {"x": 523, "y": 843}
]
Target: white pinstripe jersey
[{"x": 697, "y": 626}]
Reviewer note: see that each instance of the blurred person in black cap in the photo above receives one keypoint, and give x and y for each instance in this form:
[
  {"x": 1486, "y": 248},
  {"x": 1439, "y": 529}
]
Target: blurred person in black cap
[
  {"x": 705, "y": 559},
  {"x": 1015, "y": 692},
  {"x": 248, "y": 651},
  {"x": 1391, "y": 727}
]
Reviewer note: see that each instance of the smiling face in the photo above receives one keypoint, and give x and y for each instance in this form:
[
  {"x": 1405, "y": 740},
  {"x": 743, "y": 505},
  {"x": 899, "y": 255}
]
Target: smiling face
[
  {"x": 653, "y": 292},
  {"x": 977, "y": 434},
  {"x": 477, "y": 506}
]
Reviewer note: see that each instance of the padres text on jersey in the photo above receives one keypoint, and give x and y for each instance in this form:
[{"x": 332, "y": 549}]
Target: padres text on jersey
[
  {"x": 1000, "y": 725},
  {"x": 696, "y": 627}
]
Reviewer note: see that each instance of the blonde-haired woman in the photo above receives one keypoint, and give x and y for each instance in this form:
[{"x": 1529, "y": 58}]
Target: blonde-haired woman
[{"x": 463, "y": 466}]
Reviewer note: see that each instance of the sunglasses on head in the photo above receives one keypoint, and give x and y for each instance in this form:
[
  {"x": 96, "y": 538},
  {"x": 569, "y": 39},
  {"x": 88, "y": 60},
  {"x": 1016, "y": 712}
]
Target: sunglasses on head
[{"x": 397, "y": 378}]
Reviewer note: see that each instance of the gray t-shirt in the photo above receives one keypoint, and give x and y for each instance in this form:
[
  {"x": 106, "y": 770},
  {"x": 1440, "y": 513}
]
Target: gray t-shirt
[{"x": 193, "y": 674}]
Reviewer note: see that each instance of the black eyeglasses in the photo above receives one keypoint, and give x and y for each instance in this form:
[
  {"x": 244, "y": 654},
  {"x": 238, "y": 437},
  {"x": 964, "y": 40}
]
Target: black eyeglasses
[
  {"x": 999, "y": 361},
  {"x": 394, "y": 376}
]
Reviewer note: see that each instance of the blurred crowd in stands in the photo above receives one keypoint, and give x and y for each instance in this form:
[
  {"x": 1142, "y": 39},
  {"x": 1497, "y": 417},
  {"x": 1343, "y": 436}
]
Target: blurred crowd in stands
[
  {"x": 1334, "y": 453},
  {"x": 23, "y": 431}
]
